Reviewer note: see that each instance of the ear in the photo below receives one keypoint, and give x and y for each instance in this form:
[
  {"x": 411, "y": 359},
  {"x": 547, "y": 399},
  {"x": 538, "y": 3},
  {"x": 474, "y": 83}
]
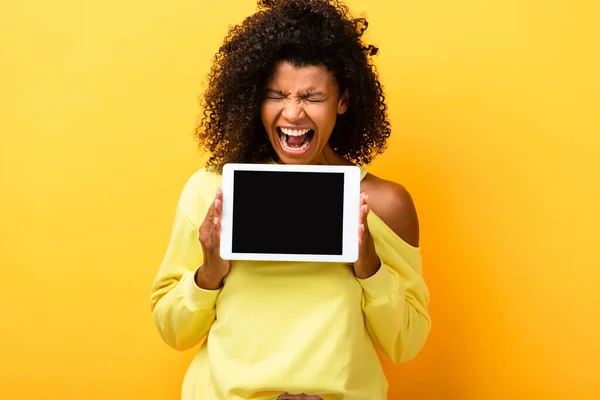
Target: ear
[{"x": 343, "y": 102}]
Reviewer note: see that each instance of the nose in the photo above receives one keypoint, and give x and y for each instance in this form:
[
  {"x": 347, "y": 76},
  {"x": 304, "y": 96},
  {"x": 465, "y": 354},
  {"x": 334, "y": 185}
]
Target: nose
[{"x": 292, "y": 111}]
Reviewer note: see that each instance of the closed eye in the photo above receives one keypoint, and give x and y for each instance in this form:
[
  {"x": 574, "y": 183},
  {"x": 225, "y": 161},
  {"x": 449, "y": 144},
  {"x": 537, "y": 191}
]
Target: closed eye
[
  {"x": 275, "y": 94},
  {"x": 312, "y": 97}
]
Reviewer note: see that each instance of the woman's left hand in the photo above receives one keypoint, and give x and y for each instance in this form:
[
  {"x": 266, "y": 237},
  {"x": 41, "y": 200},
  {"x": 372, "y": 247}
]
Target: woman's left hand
[{"x": 368, "y": 262}]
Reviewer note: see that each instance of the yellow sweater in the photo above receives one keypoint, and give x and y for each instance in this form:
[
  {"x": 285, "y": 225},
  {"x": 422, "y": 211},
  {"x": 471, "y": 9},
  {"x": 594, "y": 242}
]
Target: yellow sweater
[{"x": 278, "y": 327}]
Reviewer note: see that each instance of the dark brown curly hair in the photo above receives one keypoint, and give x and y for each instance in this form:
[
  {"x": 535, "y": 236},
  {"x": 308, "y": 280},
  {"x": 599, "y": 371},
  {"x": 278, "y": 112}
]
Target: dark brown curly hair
[{"x": 302, "y": 32}]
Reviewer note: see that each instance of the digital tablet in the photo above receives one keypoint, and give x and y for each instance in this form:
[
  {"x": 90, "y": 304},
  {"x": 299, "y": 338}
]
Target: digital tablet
[{"x": 275, "y": 212}]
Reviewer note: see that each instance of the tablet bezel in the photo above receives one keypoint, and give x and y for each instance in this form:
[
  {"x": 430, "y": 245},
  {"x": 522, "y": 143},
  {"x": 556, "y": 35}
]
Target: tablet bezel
[{"x": 350, "y": 215}]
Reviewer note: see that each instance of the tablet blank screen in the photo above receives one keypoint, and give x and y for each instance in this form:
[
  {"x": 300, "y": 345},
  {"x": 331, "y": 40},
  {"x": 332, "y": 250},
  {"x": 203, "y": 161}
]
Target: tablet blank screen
[{"x": 288, "y": 212}]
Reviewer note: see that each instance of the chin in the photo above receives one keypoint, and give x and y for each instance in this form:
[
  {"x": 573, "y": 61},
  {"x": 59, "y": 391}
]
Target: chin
[{"x": 293, "y": 159}]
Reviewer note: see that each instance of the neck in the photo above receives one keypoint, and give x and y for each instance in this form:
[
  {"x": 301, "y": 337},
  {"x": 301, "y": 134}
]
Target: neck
[{"x": 329, "y": 157}]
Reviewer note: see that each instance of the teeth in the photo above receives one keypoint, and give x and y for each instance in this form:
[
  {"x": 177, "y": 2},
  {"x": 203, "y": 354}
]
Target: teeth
[
  {"x": 291, "y": 149},
  {"x": 294, "y": 132},
  {"x": 295, "y": 149}
]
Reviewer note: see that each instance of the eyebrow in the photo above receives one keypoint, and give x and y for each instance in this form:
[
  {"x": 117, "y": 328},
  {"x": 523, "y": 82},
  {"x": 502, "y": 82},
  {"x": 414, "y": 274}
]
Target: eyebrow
[
  {"x": 312, "y": 93},
  {"x": 307, "y": 93}
]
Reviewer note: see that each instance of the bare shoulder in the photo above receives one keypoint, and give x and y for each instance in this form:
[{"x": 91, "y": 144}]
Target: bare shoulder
[{"x": 394, "y": 205}]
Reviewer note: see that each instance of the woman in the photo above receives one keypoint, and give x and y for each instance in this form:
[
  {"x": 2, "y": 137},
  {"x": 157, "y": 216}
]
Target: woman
[{"x": 293, "y": 84}]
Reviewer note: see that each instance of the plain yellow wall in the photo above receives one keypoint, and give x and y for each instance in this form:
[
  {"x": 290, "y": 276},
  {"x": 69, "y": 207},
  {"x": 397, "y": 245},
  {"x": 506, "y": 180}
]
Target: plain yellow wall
[{"x": 495, "y": 109}]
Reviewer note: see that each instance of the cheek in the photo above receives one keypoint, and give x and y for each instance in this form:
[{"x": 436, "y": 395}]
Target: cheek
[
  {"x": 268, "y": 113},
  {"x": 263, "y": 114},
  {"x": 325, "y": 119}
]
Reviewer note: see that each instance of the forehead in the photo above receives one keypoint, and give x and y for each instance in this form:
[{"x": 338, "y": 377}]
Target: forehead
[{"x": 293, "y": 78}]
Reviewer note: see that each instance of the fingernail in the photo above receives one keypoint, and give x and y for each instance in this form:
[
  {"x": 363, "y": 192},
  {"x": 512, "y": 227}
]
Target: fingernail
[{"x": 215, "y": 220}]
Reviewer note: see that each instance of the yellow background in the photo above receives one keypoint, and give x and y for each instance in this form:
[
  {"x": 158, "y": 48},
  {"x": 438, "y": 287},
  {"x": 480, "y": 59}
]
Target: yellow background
[{"x": 495, "y": 108}]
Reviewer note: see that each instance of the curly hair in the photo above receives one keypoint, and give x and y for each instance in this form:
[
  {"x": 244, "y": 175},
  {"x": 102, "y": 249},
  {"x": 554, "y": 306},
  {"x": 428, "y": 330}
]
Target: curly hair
[{"x": 302, "y": 32}]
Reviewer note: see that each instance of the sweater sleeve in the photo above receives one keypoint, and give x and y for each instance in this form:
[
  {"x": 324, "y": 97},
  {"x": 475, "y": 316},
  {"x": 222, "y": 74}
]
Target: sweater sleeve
[
  {"x": 395, "y": 303},
  {"x": 182, "y": 311}
]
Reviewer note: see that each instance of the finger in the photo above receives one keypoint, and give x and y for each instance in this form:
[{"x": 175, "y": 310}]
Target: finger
[
  {"x": 214, "y": 209},
  {"x": 364, "y": 211},
  {"x": 218, "y": 208},
  {"x": 218, "y": 204},
  {"x": 209, "y": 215},
  {"x": 366, "y": 223},
  {"x": 361, "y": 235},
  {"x": 216, "y": 231},
  {"x": 363, "y": 198}
]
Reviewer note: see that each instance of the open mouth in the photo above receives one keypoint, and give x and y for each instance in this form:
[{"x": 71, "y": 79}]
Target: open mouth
[{"x": 295, "y": 141}]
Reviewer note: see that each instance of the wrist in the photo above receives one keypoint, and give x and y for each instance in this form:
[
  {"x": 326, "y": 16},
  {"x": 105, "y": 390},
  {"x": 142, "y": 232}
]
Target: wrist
[
  {"x": 369, "y": 271},
  {"x": 207, "y": 280}
]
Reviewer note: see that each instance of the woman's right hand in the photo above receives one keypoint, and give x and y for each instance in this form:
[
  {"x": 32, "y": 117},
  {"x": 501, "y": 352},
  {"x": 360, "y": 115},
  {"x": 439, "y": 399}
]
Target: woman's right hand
[{"x": 214, "y": 269}]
